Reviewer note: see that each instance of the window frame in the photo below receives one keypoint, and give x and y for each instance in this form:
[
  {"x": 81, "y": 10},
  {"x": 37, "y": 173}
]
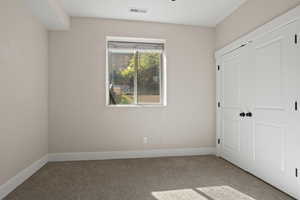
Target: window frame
[{"x": 163, "y": 72}]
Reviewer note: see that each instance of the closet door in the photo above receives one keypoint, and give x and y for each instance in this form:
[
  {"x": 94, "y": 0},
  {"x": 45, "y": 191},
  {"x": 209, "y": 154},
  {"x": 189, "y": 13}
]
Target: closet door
[
  {"x": 247, "y": 105},
  {"x": 270, "y": 111},
  {"x": 293, "y": 101},
  {"x": 234, "y": 127}
]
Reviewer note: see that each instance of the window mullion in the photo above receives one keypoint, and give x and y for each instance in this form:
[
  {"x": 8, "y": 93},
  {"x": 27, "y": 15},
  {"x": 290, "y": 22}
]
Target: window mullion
[
  {"x": 136, "y": 77},
  {"x": 161, "y": 93}
]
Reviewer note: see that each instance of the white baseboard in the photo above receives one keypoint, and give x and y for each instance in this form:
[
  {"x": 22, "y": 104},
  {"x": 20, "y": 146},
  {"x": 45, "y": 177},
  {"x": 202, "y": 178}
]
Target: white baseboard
[
  {"x": 17, "y": 180},
  {"x": 130, "y": 154}
]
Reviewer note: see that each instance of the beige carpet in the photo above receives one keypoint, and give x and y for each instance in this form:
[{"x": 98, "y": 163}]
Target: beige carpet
[{"x": 180, "y": 178}]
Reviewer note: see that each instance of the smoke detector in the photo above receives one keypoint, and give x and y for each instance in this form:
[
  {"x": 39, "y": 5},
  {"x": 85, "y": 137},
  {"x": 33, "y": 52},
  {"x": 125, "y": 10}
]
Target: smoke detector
[{"x": 138, "y": 10}]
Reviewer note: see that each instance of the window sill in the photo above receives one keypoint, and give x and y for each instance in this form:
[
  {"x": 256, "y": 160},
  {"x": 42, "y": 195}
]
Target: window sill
[{"x": 136, "y": 106}]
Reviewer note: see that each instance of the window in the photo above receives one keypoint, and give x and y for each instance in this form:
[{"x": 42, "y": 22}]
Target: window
[{"x": 136, "y": 73}]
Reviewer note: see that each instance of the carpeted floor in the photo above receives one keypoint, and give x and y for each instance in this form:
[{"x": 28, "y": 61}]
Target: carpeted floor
[{"x": 180, "y": 178}]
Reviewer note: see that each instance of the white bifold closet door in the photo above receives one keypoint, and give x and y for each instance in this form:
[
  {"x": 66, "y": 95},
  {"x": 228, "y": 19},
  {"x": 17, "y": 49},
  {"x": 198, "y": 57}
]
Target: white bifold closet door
[
  {"x": 271, "y": 63},
  {"x": 260, "y": 118},
  {"x": 236, "y": 100},
  {"x": 293, "y": 106}
]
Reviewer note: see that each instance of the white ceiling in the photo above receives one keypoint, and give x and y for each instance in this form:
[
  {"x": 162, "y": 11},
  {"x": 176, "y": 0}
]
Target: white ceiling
[{"x": 190, "y": 12}]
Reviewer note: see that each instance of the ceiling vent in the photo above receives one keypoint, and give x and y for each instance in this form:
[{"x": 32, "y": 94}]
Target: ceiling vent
[{"x": 138, "y": 10}]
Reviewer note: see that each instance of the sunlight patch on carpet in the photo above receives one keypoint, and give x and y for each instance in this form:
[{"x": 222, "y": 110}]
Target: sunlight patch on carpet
[
  {"x": 204, "y": 193},
  {"x": 185, "y": 194},
  {"x": 224, "y": 193}
]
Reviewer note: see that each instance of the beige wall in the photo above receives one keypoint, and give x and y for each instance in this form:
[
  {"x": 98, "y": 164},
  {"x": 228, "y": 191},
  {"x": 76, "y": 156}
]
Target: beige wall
[
  {"x": 249, "y": 16},
  {"x": 79, "y": 120},
  {"x": 23, "y": 89}
]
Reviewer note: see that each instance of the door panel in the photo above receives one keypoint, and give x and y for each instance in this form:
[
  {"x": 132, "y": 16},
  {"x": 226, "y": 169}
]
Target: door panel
[
  {"x": 293, "y": 132},
  {"x": 269, "y": 143},
  {"x": 231, "y": 81},
  {"x": 293, "y": 152},
  {"x": 270, "y": 110},
  {"x": 230, "y": 70},
  {"x": 269, "y": 74},
  {"x": 247, "y": 103},
  {"x": 236, "y": 130},
  {"x": 231, "y": 130}
]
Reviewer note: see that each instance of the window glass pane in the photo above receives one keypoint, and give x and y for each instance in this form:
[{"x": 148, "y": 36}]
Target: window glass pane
[
  {"x": 148, "y": 79},
  {"x": 121, "y": 78}
]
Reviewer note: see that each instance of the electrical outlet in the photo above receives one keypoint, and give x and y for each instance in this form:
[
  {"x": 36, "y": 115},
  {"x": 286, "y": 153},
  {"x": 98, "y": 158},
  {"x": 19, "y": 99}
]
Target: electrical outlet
[{"x": 145, "y": 140}]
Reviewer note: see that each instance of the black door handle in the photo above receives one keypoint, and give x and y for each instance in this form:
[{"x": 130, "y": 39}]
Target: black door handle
[
  {"x": 249, "y": 114},
  {"x": 242, "y": 114}
]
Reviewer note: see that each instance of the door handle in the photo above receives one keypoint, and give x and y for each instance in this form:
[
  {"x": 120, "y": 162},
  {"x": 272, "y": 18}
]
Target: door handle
[
  {"x": 242, "y": 114},
  {"x": 249, "y": 114}
]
